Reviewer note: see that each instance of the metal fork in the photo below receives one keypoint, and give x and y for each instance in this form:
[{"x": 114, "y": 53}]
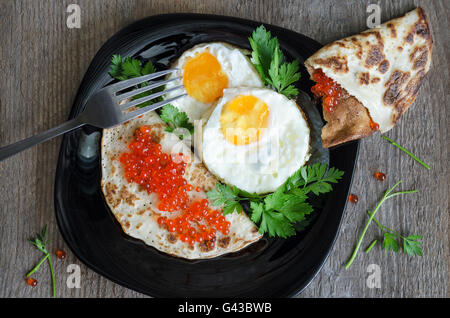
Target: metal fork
[{"x": 104, "y": 109}]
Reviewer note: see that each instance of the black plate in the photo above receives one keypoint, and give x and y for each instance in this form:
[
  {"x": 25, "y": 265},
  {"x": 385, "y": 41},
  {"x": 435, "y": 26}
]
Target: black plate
[{"x": 274, "y": 267}]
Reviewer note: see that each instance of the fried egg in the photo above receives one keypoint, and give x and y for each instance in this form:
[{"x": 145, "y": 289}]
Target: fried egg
[
  {"x": 254, "y": 139},
  {"x": 205, "y": 71}
]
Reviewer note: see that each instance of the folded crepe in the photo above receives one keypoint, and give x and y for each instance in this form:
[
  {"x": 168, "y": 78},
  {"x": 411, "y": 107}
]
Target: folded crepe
[
  {"x": 378, "y": 72},
  {"x": 136, "y": 210}
]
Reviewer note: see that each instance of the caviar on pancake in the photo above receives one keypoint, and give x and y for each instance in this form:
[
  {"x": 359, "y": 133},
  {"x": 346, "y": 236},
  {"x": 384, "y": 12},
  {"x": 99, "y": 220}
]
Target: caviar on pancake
[
  {"x": 331, "y": 92},
  {"x": 327, "y": 88},
  {"x": 159, "y": 173}
]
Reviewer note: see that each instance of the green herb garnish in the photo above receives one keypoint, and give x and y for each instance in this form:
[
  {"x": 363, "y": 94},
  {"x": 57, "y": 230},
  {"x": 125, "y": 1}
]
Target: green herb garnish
[
  {"x": 40, "y": 243},
  {"x": 407, "y": 152},
  {"x": 175, "y": 119},
  {"x": 371, "y": 246},
  {"x": 411, "y": 244},
  {"x": 126, "y": 68},
  {"x": 388, "y": 242},
  {"x": 228, "y": 196},
  {"x": 270, "y": 63},
  {"x": 279, "y": 213}
]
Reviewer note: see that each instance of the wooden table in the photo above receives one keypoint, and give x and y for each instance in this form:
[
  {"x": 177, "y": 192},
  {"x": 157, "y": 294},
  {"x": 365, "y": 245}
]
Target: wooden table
[{"x": 43, "y": 62}]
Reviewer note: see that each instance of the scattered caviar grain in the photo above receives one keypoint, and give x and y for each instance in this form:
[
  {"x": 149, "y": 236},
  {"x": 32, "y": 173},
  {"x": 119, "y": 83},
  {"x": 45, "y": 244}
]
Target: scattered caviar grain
[
  {"x": 31, "y": 281},
  {"x": 353, "y": 198},
  {"x": 61, "y": 254},
  {"x": 380, "y": 176}
]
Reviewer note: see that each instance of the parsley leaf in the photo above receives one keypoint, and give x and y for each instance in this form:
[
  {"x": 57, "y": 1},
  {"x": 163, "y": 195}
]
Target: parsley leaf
[
  {"x": 276, "y": 224},
  {"x": 126, "y": 68},
  {"x": 412, "y": 246},
  {"x": 295, "y": 209},
  {"x": 276, "y": 200},
  {"x": 225, "y": 195},
  {"x": 390, "y": 242},
  {"x": 263, "y": 46},
  {"x": 283, "y": 211},
  {"x": 270, "y": 63},
  {"x": 175, "y": 119},
  {"x": 257, "y": 211}
]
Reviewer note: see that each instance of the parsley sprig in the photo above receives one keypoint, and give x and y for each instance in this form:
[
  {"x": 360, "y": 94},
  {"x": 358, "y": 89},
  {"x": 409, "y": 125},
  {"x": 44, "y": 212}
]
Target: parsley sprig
[
  {"x": 227, "y": 196},
  {"x": 279, "y": 213},
  {"x": 411, "y": 245},
  {"x": 40, "y": 242},
  {"x": 126, "y": 68},
  {"x": 175, "y": 119},
  {"x": 270, "y": 63}
]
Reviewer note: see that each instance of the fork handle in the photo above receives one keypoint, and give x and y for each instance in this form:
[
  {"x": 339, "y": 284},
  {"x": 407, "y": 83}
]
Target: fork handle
[{"x": 19, "y": 146}]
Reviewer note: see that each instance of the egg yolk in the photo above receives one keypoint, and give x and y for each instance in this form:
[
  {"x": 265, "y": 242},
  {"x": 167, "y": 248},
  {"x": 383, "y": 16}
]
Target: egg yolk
[
  {"x": 243, "y": 119},
  {"x": 203, "y": 78}
]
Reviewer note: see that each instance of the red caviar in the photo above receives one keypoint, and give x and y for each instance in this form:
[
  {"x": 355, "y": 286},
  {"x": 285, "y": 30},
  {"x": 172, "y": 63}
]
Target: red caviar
[
  {"x": 353, "y": 198},
  {"x": 61, "y": 254},
  {"x": 380, "y": 176},
  {"x": 154, "y": 170},
  {"x": 374, "y": 125},
  {"x": 197, "y": 223},
  {"x": 31, "y": 281},
  {"x": 162, "y": 174},
  {"x": 327, "y": 88}
]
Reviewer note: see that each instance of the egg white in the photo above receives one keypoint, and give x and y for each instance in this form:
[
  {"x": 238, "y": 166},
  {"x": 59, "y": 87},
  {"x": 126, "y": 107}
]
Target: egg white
[
  {"x": 234, "y": 64},
  {"x": 263, "y": 166}
]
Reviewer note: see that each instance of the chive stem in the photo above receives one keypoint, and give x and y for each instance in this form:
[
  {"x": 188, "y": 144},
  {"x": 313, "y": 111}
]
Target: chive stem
[
  {"x": 53, "y": 276},
  {"x": 371, "y": 246},
  {"x": 407, "y": 152},
  {"x": 37, "y": 266}
]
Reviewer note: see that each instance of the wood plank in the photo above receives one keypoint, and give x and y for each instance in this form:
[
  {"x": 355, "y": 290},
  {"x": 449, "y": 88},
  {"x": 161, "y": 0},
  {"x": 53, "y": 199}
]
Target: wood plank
[{"x": 43, "y": 63}]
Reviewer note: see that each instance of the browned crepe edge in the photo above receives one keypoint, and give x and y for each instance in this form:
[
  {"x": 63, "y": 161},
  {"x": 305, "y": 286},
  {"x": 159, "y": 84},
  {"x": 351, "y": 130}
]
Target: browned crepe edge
[{"x": 349, "y": 121}]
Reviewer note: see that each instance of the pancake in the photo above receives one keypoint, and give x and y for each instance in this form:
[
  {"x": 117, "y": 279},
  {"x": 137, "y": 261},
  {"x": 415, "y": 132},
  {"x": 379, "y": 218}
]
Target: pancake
[
  {"x": 381, "y": 69},
  {"x": 136, "y": 210}
]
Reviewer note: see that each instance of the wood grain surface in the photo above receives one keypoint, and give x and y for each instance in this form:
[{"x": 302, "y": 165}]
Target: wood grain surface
[{"x": 43, "y": 61}]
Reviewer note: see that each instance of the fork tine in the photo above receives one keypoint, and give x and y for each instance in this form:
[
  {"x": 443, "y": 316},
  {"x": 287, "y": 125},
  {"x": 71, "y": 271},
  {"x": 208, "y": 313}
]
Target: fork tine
[
  {"x": 144, "y": 89},
  {"x": 143, "y": 110},
  {"x": 137, "y": 80},
  {"x": 147, "y": 98}
]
